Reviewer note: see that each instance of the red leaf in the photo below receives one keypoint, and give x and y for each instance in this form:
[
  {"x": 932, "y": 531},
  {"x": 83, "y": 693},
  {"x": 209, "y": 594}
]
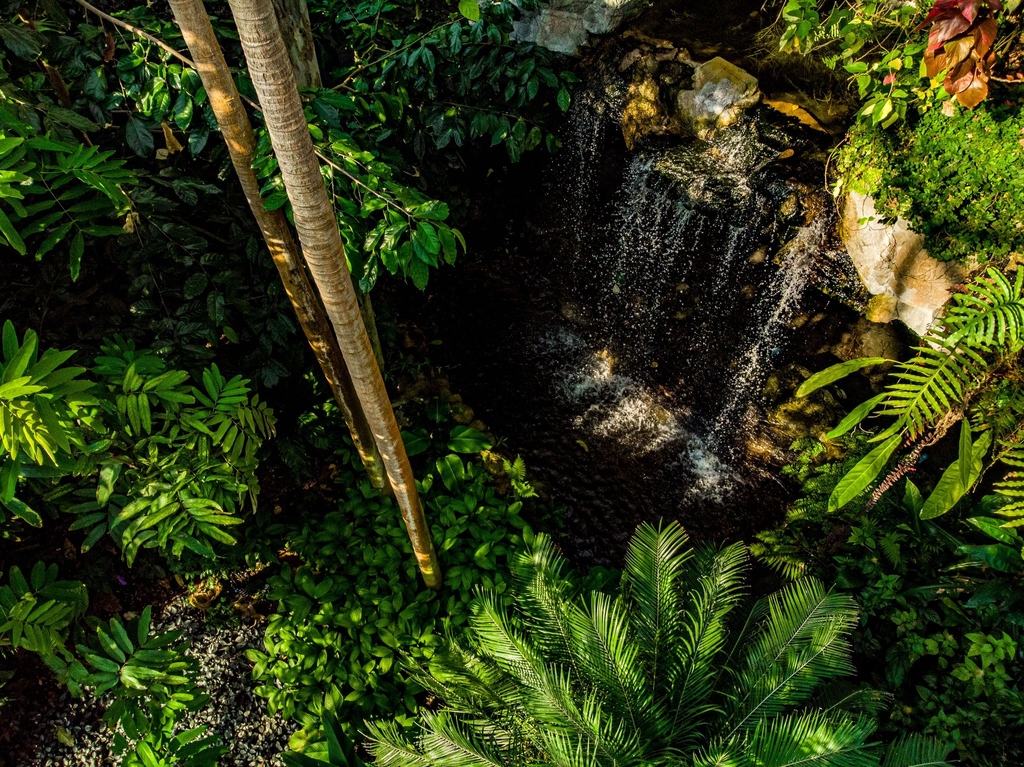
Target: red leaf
[
  {"x": 945, "y": 29},
  {"x": 974, "y": 94}
]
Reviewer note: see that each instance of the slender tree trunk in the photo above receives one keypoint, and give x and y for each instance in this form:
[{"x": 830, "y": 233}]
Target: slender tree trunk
[
  {"x": 370, "y": 320},
  {"x": 317, "y": 227},
  {"x": 237, "y": 131},
  {"x": 293, "y": 20}
]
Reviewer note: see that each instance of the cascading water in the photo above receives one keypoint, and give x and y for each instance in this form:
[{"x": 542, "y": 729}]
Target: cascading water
[
  {"x": 632, "y": 317},
  {"x": 765, "y": 340}
]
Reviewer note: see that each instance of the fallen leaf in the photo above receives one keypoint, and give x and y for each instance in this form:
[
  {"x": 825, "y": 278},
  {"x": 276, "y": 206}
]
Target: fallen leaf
[
  {"x": 173, "y": 145},
  {"x": 793, "y": 110}
]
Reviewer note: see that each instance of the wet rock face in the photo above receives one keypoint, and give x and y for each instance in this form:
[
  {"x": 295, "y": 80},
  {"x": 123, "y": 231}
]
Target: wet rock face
[
  {"x": 565, "y": 26},
  {"x": 720, "y": 95},
  {"x": 906, "y": 282}
]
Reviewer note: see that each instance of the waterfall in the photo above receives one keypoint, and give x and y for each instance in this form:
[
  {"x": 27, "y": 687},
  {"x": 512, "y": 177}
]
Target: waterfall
[
  {"x": 767, "y": 337},
  {"x": 651, "y": 230},
  {"x": 682, "y": 310}
]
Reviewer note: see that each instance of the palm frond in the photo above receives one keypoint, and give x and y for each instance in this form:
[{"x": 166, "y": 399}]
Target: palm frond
[
  {"x": 607, "y": 657},
  {"x": 814, "y": 738},
  {"x": 714, "y": 593},
  {"x": 446, "y": 740},
  {"x": 544, "y": 593},
  {"x": 655, "y": 563},
  {"x": 916, "y": 751},
  {"x": 391, "y": 748},
  {"x": 804, "y": 642},
  {"x": 597, "y": 737}
]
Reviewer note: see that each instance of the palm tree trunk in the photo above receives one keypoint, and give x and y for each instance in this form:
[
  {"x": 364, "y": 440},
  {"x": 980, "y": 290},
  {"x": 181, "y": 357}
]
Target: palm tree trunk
[
  {"x": 317, "y": 227},
  {"x": 237, "y": 131},
  {"x": 293, "y": 20}
]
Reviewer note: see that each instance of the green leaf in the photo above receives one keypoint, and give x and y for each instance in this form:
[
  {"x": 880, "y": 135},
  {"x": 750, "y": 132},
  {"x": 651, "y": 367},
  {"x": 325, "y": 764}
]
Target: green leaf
[
  {"x": 862, "y": 474},
  {"x": 23, "y": 511},
  {"x": 452, "y": 471},
  {"x": 951, "y": 486},
  {"x": 416, "y": 442},
  {"x": 464, "y": 439},
  {"x": 75, "y": 255},
  {"x": 855, "y": 416},
  {"x": 966, "y": 452},
  {"x": 994, "y": 529},
  {"x": 138, "y": 137},
  {"x": 997, "y": 556},
  {"x": 564, "y": 99},
  {"x": 469, "y": 9},
  {"x": 836, "y": 373}
]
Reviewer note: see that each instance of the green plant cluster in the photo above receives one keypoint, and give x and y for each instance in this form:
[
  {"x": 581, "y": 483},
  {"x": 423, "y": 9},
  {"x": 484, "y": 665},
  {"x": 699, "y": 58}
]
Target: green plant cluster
[
  {"x": 354, "y": 612},
  {"x": 903, "y": 58},
  {"x": 955, "y": 179},
  {"x": 942, "y": 636},
  {"x": 672, "y": 666},
  {"x": 147, "y": 681},
  {"x": 139, "y": 454}
]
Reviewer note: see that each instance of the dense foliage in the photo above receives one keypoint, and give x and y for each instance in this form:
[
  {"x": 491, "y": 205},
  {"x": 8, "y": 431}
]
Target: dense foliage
[
  {"x": 352, "y": 608},
  {"x": 966, "y": 372},
  {"x": 657, "y": 672},
  {"x": 942, "y": 638},
  {"x": 953, "y": 178},
  {"x": 896, "y": 68}
]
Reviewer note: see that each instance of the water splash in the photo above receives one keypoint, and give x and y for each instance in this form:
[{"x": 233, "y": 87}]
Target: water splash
[
  {"x": 607, "y": 405},
  {"x": 776, "y": 308}
]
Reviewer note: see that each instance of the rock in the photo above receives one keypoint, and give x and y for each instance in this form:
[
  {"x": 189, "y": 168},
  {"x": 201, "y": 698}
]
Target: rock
[
  {"x": 892, "y": 263},
  {"x": 565, "y": 26},
  {"x": 643, "y": 113},
  {"x": 790, "y": 108},
  {"x": 561, "y": 31},
  {"x": 721, "y": 93},
  {"x": 869, "y": 339}
]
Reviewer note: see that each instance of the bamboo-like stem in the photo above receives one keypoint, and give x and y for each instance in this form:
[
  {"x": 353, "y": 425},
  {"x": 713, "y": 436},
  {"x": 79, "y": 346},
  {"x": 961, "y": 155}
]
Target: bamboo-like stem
[
  {"x": 274, "y": 82},
  {"x": 234, "y": 125}
]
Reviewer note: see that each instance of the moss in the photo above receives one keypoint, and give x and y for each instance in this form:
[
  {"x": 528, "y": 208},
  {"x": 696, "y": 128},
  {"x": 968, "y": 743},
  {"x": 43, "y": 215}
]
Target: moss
[{"x": 956, "y": 179}]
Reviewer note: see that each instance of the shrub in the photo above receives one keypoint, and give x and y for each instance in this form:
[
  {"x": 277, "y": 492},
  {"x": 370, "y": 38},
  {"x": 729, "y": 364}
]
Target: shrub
[
  {"x": 954, "y": 178},
  {"x": 662, "y": 671},
  {"x": 931, "y": 634}
]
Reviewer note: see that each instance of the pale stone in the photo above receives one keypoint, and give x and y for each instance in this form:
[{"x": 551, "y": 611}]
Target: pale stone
[
  {"x": 720, "y": 95},
  {"x": 892, "y": 262},
  {"x": 561, "y": 31},
  {"x": 565, "y": 26}
]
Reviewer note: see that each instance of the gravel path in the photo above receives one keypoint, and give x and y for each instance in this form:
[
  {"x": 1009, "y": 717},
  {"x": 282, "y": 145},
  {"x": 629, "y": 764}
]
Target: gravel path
[{"x": 235, "y": 712}]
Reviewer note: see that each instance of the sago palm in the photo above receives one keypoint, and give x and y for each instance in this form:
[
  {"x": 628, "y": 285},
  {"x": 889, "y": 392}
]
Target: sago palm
[{"x": 676, "y": 667}]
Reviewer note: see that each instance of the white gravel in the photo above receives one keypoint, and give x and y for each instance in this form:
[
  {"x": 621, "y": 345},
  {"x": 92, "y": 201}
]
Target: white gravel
[{"x": 235, "y": 712}]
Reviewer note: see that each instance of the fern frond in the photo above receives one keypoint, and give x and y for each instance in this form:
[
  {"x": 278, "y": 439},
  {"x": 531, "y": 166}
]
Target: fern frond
[
  {"x": 1012, "y": 485},
  {"x": 930, "y": 385}
]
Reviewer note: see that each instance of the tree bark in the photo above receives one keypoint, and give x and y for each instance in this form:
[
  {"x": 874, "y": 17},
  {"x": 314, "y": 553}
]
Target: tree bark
[
  {"x": 234, "y": 124},
  {"x": 293, "y": 20},
  {"x": 317, "y": 227}
]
